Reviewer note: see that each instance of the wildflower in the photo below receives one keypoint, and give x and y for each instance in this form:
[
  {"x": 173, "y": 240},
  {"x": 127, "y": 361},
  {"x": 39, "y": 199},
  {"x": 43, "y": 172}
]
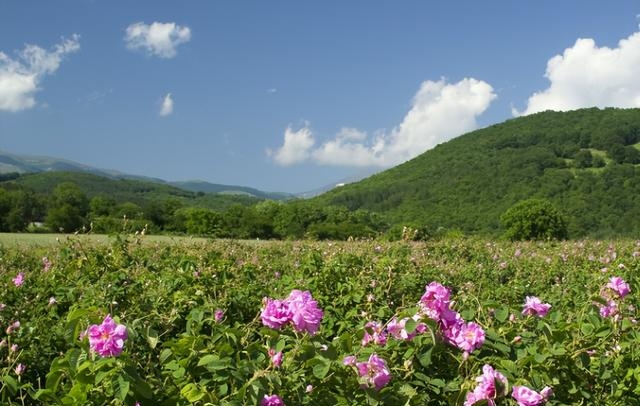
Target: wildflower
[
  {"x": 19, "y": 279},
  {"x": 608, "y": 310},
  {"x": 528, "y": 397},
  {"x": 52, "y": 301},
  {"x": 271, "y": 400},
  {"x": 13, "y": 348},
  {"x": 46, "y": 264},
  {"x": 435, "y": 300},
  {"x": 107, "y": 338},
  {"x": 619, "y": 286},
  {"x": 13, "y": 327},
  {"x": 275, "y": 314},
  {"x": 534, "y": 307},
  {"x": 20, "y": 369},
  {"x": 398, "y": 331},
  {"x": 491, "y": 385},
  {"x": 466, "y": 336},
  {"x": 374, "y": 372},
  {"x": 218, "y": 315},
  {"x": 2, "y": 306},
  {"x": 374, "y": 331},
  {"x": 349, "y": 360},
  {"x": 305, "y": 314},
  {"x": 3, "y": 343},
  {"x": 276, "y": 357},
  {"x": 309, "y": 388}
]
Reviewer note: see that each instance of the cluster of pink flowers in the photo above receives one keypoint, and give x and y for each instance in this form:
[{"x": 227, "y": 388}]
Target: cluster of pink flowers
[
  {"x": 271, "y": 400},
  {"x": 436, "y": 304},
  {"x": 107, "y": 339},
  {"x": 615, "y": 290},
  {"x": 299, "y": 309},
  {"x": 375, "y": 332},
  {"x": 491, "y": 385},
  {"x": 19, "y": 279},
  {"x": 528, "y": 397},
  {"x": 534, "y": 307},
  {"x": 373, "y": 373}
]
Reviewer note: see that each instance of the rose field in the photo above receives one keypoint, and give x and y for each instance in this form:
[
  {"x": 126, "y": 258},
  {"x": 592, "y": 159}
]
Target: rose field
[{"x": 134, "y": 321}]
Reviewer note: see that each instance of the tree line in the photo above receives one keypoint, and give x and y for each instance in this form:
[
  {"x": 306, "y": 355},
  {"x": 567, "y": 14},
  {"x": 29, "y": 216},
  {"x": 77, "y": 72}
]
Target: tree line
[{"x": 68, "y": 209}]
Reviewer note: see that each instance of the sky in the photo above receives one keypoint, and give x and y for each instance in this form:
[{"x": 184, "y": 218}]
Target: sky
[{"x": 291, "y": 96}]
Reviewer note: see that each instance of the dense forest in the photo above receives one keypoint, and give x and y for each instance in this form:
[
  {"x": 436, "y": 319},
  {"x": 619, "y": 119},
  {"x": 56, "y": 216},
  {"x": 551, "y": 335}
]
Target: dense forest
[{"x": 584, "y": 163}]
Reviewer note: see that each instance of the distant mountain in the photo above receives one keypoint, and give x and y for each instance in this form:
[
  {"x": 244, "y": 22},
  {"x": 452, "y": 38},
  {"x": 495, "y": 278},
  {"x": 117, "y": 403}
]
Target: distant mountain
[
  {"x": 586, "y": 162},
  {"x": 356, "y": 178},
  {"x": 22, "y": 164}
]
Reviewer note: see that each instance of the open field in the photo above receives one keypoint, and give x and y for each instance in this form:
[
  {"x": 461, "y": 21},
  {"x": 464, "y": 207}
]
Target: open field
[
  {"x": 42, "y": 240},
  {"x": 225, "y": 322}
]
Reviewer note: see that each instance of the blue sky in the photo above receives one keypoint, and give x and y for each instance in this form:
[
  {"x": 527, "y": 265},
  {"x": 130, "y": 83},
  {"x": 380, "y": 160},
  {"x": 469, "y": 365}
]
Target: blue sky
[{"x": 294, "y": 95}]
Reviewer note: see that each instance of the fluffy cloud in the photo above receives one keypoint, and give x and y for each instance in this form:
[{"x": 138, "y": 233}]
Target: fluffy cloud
[
  {"x": 20, "y": 77},
  {"x": 167, "y": 105},
  {"x": 586, "y": 75},
  {"x": 159, "y": 39},
  {"x": 439, "y": 112},
  {"x": 296, "y": 148}
]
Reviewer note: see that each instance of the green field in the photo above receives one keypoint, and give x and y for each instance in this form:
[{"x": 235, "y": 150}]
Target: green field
[{"x": 43, "y": 240}]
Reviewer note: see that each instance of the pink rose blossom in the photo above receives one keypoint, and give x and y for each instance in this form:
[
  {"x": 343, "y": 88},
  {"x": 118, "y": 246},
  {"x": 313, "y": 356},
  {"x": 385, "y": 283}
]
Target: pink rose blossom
[
  {"x": 491, "y": 385},
  {"x": 276, "y": 357},
  {"x": 435, "y": 300},
  {"x": 107, "y": 338},
  {"x": 13, "y": 327},
  {"x": 619, "y": 286},
  {"x": 467, "y": 336},
  {"x": 398, "y": 331},
  {"x": 534, "y": 307},
  {"x": 349, "y": 360},
  {"x": 528, "y": 397},
  {"x": 271, "y": 400},
  {"x": 374, "y": 332},
  {"x": 305, "y": 314},
  {"x": 374, "y": 372},
  {"x": 19, "y": 279},
  {"x": 46, "y": 264},
  {"x": 275, "y": 314}
]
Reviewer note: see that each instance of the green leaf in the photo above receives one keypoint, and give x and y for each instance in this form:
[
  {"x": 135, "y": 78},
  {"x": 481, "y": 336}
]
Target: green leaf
[
  {"x": 152, "y": 338},
  {"x": 192, "y": 393},
  {"x": 321, "y": 370},
  {"x": 121, "y": 388}
]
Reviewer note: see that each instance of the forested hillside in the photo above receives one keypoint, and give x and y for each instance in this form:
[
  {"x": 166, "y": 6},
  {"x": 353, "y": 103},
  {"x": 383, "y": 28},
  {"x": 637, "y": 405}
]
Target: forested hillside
[{"x": 585, "y": 162}]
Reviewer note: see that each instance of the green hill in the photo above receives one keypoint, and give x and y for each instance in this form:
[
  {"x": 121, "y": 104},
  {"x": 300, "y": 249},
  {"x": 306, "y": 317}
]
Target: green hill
[
  {"x": 585, "y": 162},
  {"x": 140, "y": 192}
]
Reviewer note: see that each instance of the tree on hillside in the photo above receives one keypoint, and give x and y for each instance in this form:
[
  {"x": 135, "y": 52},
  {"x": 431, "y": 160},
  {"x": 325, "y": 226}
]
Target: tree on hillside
[
  {"x": 534, "y": 219},
  {"x": 68, "y": 208}
]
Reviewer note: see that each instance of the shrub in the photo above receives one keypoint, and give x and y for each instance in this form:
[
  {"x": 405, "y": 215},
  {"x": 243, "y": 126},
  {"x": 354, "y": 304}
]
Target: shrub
[{"x": 534, "y": 219}]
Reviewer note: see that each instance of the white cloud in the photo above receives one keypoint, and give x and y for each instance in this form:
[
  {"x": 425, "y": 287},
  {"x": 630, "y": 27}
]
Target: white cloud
[
  {"x": 586, "y": 75},
  {"x": 296, "y": 148},
  {"x": 439, "y": 112},
  {"x": 167, "y": 105},
  {"x": 20, "y": 77},
  {"x": 159, "y": 39}
]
